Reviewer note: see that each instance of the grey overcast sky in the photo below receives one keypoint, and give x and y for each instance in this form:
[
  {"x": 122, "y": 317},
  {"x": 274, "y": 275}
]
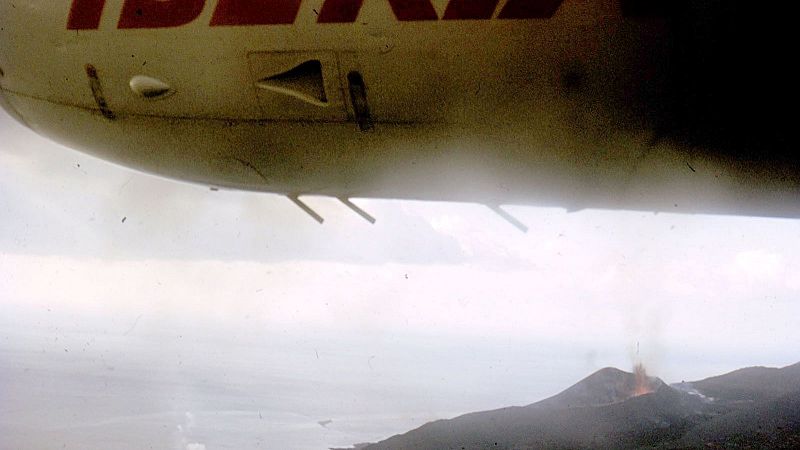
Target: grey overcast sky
[{"x": 437, "y": 309}]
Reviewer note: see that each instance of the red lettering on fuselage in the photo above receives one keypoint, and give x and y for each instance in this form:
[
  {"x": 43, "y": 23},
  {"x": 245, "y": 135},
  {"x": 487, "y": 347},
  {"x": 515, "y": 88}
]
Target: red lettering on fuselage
[
  {"x": 255, "y": 12},
  {"x": 346, "y": 11},
  {"x": 159, "y": 13},
  {"x": 86, "y": 14},
  {"x": 470, "y": 9},
  {"x": 530, "y": 9}
]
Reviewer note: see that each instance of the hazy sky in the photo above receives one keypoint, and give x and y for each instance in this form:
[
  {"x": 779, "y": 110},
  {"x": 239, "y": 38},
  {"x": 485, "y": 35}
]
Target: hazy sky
[{"x": 443, "y": 306}]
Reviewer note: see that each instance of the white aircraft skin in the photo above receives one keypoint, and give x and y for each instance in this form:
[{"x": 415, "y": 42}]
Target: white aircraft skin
[{"x": 562, "y": 103}]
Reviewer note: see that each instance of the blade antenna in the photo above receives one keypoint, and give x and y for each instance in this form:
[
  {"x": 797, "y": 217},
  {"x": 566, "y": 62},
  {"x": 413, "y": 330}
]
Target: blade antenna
[
  {"x": 307, "y": 209},
  {"x": 508, "y": 218},
  {"x": 357, "y": 210}
]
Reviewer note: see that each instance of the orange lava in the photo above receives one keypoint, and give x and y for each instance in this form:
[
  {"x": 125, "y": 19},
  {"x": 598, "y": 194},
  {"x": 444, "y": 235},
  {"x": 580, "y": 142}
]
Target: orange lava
[{"x": 642, "y": 381}]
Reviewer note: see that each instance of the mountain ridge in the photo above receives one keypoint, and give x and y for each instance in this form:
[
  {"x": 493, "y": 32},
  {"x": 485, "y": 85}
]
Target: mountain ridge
[{"x": 606, "y": 410}]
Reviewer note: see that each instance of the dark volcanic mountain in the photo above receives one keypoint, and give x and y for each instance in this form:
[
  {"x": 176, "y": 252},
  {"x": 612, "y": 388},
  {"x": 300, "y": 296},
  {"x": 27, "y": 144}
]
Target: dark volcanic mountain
[
  {"x": 760, "y": 405},
  {"x": 750, "y": 384},
  {"x": 748, "y": 408},
  {"x": 603, "y": 387}
]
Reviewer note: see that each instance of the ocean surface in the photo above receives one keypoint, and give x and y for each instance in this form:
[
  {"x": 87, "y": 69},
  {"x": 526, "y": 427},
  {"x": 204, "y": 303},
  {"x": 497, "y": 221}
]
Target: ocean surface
[
  {"x": 77, "y": 390},
  {"x": 85, "y": 379},
  {"x": 66, "y": 385}
]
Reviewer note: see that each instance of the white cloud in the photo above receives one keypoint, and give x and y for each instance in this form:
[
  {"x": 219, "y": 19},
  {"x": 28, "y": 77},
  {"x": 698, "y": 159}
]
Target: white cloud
[
  {"x": 759, "y": 265},
  {"x": 612, "y": 305}
]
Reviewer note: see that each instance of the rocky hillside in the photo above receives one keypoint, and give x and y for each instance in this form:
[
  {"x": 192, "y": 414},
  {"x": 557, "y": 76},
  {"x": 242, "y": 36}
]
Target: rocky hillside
[{"x": 748, "y": 408}]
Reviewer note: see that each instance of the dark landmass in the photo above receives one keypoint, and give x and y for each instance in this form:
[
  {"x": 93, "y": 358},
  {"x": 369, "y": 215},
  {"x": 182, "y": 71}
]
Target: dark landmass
[{"x": 751, "y": 408}]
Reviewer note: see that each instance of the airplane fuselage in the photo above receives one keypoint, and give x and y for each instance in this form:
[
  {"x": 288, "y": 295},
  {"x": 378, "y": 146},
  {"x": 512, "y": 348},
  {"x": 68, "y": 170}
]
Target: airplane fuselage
[{"x": 568, "y": 103}]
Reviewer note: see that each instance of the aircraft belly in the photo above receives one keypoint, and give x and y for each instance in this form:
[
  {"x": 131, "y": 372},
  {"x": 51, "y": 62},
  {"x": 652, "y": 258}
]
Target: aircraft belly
[
  {"x": 464, "y": 71},
  {"x": 424, "y": 162},
  {"x": 8, "y": 108},
  {"x": 581, "y": 109}
]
